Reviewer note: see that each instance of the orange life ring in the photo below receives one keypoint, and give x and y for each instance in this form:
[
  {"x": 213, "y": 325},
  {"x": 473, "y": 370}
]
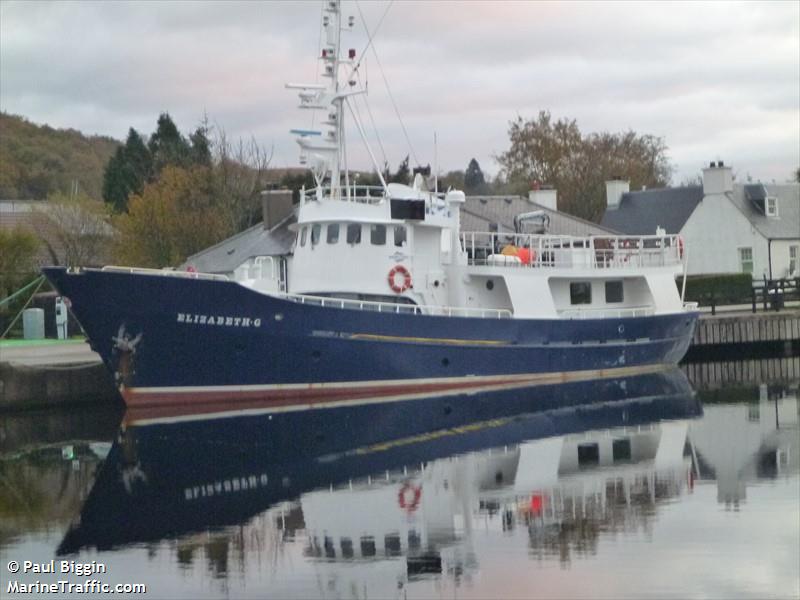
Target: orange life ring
[
  {"x": 408, "y": 497},
  {"x": 405, "y": 283}
]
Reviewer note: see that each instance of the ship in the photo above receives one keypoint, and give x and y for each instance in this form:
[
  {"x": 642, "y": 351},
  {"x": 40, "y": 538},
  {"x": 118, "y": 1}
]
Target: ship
[{"x": 383, "y": 298}]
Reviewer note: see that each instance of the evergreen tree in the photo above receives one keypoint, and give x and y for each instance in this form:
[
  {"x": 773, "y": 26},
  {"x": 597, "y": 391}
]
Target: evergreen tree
[
  {"x": 115, "y": 189},
  {"x": 167, "y": 146},
  {"x": 201, "y": 147},
  {"x": 473, "y": 177}
]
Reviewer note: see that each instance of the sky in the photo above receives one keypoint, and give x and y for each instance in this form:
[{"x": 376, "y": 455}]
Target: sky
[{"x": 716, "y": 80}]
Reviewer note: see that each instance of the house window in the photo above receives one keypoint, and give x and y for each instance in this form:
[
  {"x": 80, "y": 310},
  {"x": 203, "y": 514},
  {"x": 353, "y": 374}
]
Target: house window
[
  {"x": 399, "y": 236},
  {"x": 354, "y": 233},
  {"x": 614, "y": 292},
  {"x": 794, "y": 253},
  {"x": 377, "y": 235},
  {"x": 333, "y": 233},
  {"x": 303, "y": 236},
  {"x": 771, "y": 206},
  {"x": 746, "y": 260},
  {"x": 580, "y": 292},
  {"x": 315, "y": 233}
]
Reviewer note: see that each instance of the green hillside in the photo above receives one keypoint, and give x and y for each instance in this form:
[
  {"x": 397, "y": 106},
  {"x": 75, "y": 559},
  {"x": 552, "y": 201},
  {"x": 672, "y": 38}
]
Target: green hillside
[{"x": 36, "y": 160}]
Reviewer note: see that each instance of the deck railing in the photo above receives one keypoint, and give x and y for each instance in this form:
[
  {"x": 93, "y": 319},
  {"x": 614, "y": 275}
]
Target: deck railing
[
  {"x": 166, "y": 273},
  {"x": 396, "y": 308},
  {"x": 607, "y": 313},
  {"x": 555, "y": 251}
]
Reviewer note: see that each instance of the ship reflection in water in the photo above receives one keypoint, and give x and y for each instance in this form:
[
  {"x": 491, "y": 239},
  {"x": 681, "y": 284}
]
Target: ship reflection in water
[{"x": 469, "y": 496}]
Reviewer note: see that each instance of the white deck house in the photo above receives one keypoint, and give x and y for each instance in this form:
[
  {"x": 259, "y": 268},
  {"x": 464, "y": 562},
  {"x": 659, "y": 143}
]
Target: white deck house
[{"x": 728, "y": 227}]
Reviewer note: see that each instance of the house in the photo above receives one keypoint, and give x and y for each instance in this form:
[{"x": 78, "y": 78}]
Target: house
[
  {"x": 497, "y": 213},
  {"x": 238, "y": 254},
  {"x": 727, "y": 227}
]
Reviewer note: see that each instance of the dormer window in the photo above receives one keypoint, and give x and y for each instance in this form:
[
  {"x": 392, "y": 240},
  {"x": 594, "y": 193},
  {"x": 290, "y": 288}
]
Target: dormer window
[{"x": 771, "y": 206}]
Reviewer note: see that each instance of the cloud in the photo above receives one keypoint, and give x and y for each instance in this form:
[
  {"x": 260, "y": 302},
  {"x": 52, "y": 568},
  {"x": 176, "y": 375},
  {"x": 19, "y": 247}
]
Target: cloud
[{"x": 711, "y": 78}]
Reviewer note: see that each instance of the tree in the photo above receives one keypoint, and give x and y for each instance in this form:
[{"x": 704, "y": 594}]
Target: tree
[
  {"x": 175, "y": 216},
  {"x": 127, "y": 171},
  {"x": 473, "y": 178},
  {"x": 18, "y": 249},
  {"x": 167, "y": 146},
  {"x": 240, "y": 173},
  {"x": 403, "y": 173},
  {"x": 75, "y": 230},
  {"x": 578, "y": 165}
]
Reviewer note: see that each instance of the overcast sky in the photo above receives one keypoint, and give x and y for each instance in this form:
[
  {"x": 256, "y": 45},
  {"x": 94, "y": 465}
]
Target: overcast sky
[{"x": 716, "y": 80}]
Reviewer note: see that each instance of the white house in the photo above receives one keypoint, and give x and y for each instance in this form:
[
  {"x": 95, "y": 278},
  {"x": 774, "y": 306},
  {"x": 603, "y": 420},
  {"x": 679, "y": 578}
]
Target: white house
[{"x": 728, "y": 227}]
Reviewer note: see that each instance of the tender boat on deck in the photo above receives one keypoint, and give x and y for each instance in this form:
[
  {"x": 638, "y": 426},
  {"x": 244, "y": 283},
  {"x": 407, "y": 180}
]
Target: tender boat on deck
[{"x": 383, "y": 298}]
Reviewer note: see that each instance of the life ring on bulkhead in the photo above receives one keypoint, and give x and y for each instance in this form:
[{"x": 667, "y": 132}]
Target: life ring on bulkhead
[
  {"x": 408, "y": 497},
  {"x": 405, "y": 279}
]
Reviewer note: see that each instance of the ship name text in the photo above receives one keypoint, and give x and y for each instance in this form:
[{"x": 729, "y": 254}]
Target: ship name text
[{"x": 218, "y": 320}]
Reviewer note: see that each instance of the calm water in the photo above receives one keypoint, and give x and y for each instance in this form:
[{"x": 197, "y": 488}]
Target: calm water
[{"x": 632, "y": 488}]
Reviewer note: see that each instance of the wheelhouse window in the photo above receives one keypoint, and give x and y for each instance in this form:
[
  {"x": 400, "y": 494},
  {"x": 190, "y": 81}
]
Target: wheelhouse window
[
  {"x": 354, "y": 233},
  {"x": 303, "y": 236},
  {"x": 746, "y": 260},
  {"x": 580, "y": 292},
  {"x": 332, "y": 235},
  {"x": 399, "y": 235},
  {"x": 377, "y": 235},
  {"x": 316, "y": 230},
  {"x": 614, "y": 292}
]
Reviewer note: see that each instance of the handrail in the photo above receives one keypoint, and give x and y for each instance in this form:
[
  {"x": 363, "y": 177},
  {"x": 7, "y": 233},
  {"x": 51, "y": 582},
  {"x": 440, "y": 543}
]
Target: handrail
[
  {"x": 397, "y": 308},
  {"x": 165, "y": 273},
  {"x": 605, "y": 313},
  {"x": 563, "y": 251}
]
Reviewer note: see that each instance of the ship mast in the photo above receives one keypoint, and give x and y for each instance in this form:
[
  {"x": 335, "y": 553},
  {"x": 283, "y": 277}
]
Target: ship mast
[{"x": 325, "y": 151}]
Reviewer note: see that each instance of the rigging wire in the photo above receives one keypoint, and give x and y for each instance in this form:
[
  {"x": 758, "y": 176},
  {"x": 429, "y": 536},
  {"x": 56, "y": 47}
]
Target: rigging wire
[
  {"x": 383, "y": 75},
  {"x": 374, "y": 126}
]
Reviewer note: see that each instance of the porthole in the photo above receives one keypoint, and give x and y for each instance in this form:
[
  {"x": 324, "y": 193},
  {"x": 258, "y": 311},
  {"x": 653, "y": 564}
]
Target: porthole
[{"x": 490, "y": 285}]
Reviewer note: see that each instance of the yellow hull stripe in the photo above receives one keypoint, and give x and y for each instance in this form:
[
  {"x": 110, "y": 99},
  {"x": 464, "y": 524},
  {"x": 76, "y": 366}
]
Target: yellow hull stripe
[{"x": 425, "y": 340}]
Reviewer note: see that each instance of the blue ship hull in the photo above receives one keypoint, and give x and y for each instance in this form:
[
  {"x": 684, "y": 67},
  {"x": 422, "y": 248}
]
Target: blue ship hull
[{"x": 176, "y": 341}]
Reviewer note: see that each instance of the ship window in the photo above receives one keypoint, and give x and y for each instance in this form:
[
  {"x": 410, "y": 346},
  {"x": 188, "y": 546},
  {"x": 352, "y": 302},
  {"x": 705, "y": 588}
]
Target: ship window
[
  {"x": 399, "y": 235},
  {"x": 621, "y": 449},
  {"x": 746, "y": 260},
  {"x": 303, "y": 236},
  {"x": 333, "y": 233},
  {"x": 377, "y": 235},
  {"x": 580, "y": 292},
  {"x": 614, "y": 292},
  {"x": 588, "y": 455},
  {"x": 367, "y": 546},
  {"x": 315, "y": 233},
  {"x": 354, "y": 233}
]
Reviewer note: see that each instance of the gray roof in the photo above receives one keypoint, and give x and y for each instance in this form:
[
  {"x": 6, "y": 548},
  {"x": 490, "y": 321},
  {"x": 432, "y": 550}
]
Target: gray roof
[
  {"x": 479, "y": 212},
  {"x": 787, "y": 224},
  {"x": 228, "y": 254},
  {"x": 640, "y": 213}
]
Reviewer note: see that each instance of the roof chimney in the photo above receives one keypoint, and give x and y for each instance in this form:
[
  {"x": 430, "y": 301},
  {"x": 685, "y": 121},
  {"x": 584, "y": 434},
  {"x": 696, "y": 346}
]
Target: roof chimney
[
  {"x": 717, "y": 179},
  {"x": 276, "y": 205},
  {"x": 544, "y": 195},
  {"x": 615, "y": 189}
]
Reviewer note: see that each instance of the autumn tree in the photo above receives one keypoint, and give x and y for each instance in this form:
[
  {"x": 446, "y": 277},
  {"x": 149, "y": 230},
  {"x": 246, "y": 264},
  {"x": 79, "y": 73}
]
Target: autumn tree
[
  {"x": 18, "y": 249},
  {"x": 174, "y": 217},
  {"x": 577, "y": 165}
]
